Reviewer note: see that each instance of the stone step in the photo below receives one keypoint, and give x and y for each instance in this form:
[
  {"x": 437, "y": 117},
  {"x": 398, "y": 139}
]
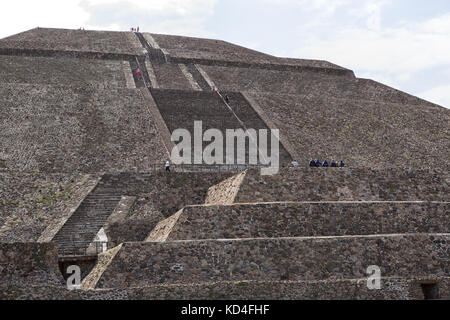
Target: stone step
[
  {"x": 294, "y": 259},
  {"x": 89, "y": 218},
  {"x": 343, "y": 289},
  {"x": 301, "y": 219}
]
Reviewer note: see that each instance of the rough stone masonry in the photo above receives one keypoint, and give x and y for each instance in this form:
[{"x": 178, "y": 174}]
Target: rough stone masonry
[{"x": 83, "y": 142}]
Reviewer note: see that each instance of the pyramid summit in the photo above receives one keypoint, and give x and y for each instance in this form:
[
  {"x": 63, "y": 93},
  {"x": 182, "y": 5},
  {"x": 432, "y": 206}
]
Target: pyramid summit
[{"x": 87, "y": 124}]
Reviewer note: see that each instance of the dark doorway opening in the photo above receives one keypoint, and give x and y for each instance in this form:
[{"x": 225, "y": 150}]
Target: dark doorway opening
[{"x": 430, "y": 291}]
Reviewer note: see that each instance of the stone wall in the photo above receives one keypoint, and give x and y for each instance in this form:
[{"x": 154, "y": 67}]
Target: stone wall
[
  {"x": 161, "y": 194},
  {"x": 277, "y": 220},
  {"x": 135, "y": 225},
  {"x": 103, "y": 261},
  {"x": 345, "y": 184},
  {"x": 217, "y": 52},
  {"x": 31, "y": 202},
  {"x": 305, "y": 82},
  {"x": 225, "y": 191},
  {"x": 362, "y": 133},
  {"x": 28, "y": 264},
  {"x": 62, "y": 71},
  {"x": 75, "y": 40},
  {"x": 295, "y": 259},
  {"x": 169, "y": 76},
  {"x": 163, "y": 229},
  {"x": 64, "y": 129},
  {"x": 392, "y": 289}
]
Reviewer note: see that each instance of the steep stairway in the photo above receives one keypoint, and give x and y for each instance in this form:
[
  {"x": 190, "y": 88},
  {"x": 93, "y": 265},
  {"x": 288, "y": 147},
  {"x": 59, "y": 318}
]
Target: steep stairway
[
  {"x": 198, "y": 77},
  {"x": 156, "y": 56},
  {"x": 243, "y": 111},
  {"x": 81, "y": 228},
  {"x": 134, "y": 64},
  {"x": 181, "y": 108}
]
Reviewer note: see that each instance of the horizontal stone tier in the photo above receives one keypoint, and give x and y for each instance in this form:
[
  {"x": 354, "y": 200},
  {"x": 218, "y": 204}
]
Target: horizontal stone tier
[
  {"x": 75, "y": 40},
  {"x": 274, "y": 220},
  {"x": 295, "y": 259},
  {"x": 344, "y": 184},
  {"x": 70, "y": 72},
  {"x": 369, "y": 127},
  {"x": 267, "y": 66},
  {"x": 391, "y": 289},
  {"x": 180, "y": 47},
  {"x": 81, "y": 128},
  {"x": 306, "y": 82},
  {"x": 67, "y": 54},
  {"x": 27, "y": 264}
]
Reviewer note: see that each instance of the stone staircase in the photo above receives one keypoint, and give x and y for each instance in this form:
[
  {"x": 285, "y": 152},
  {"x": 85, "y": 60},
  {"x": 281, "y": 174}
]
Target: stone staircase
[
  {"x": 245, "y": 112},
  {"x": 156, "y": 56},
  {"x": 198, "y": 77},
  {"x": 81, "y": 228},
  {"x": 139, "y": 82},
  {"x": 181, "y": 108}
]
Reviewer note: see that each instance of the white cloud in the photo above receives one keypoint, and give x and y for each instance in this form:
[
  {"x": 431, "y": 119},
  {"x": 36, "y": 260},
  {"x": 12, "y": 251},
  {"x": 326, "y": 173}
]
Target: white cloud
[
  {"x": 394, "y": 55},
  {"x": 182, "y": 16},
  {"x": 413, "y": 56},
  {"x": 17, "y": 16},
  {"x": 179, "y": 7}
]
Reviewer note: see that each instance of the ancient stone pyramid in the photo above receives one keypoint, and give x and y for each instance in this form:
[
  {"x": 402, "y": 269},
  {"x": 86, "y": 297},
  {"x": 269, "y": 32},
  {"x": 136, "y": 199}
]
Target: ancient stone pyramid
[{"x": 82, "y": 148}]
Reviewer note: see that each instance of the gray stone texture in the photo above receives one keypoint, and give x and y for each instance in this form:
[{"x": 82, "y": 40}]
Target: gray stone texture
[
  {"x": 28, "y": 264},
  {"x": 392, "y": 289},
  {"x": 217, "y": 52},
  {"x": 296, "y": 259},
  {"x": 363, "y": 133},
  {"x": 31, "y": 202},
  {"x": 180, "y": 109},
  {"x": 79, "y": 144},
  {"x": 102, "y": 74},
  {"x": 63, "y": 129},
  {"x": 277, "y": 220},
  {"x": 345, "y": 184},
  {"x": 75, "y": 41}
]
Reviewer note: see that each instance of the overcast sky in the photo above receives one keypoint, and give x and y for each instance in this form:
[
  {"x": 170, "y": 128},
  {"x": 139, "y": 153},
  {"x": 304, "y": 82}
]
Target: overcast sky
[{"x": 402, "y": 43}]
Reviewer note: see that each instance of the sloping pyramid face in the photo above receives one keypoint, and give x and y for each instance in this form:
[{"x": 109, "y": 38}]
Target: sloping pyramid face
[{"x": 83, "y": 143}]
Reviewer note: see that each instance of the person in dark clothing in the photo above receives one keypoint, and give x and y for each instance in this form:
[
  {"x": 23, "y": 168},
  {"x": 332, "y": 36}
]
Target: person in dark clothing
[
  {"x": 227, "y": 99},
  {"x": 318, "y": 163},
  {"x": 325, "y": 164},
  {"x": 312, "y": 163},
  {"x": 334, "y": 164},
  {"x": 341, "y": 164}
]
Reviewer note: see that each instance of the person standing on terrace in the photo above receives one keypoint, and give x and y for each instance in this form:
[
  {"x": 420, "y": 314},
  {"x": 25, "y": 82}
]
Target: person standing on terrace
[{"x": 167, "y": 166}]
